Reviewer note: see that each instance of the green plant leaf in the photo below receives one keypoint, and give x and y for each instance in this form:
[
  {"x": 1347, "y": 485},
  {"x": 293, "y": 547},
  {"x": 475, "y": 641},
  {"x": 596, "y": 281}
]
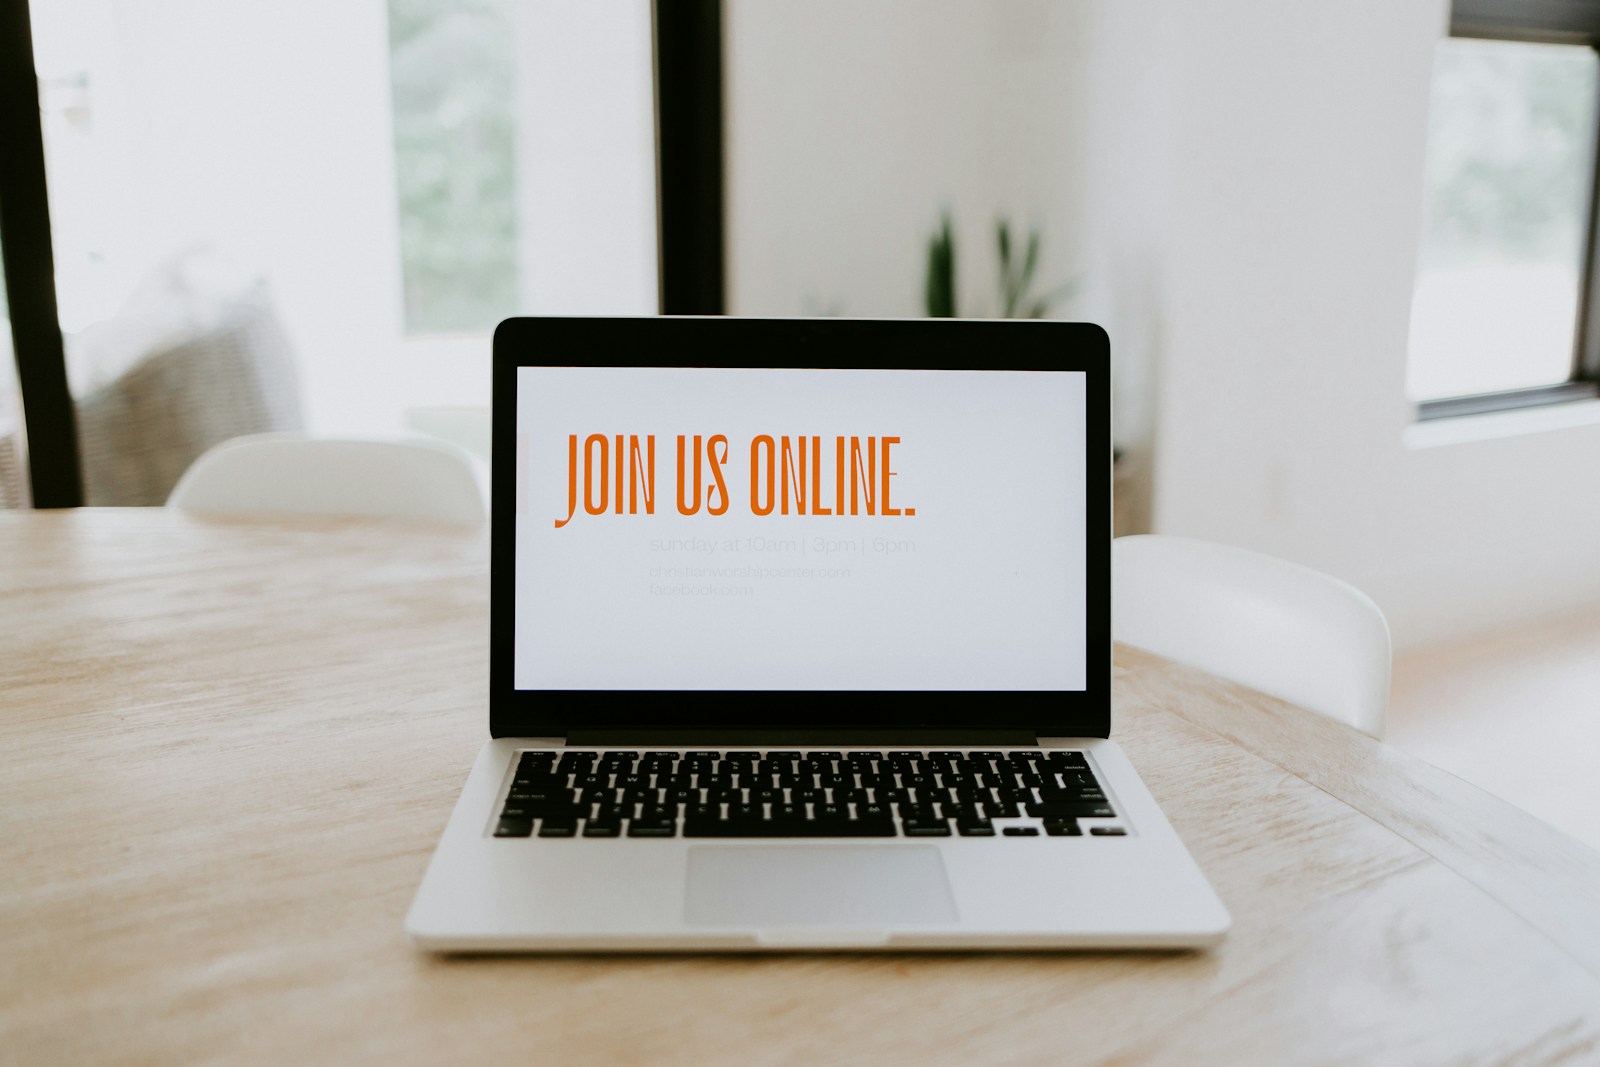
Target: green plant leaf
[
  {"x": 1030, "y": 260},
  {"x": 939, "y": 288},
  {"x": 1008, "y": 282}
]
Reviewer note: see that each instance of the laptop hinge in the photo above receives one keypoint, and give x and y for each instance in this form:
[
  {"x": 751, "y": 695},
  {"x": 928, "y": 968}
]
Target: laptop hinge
[{"x": 721, "y": 738}]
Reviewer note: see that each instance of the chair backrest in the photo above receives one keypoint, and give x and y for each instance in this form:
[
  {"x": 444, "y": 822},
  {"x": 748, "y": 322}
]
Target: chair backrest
[
  {"x": 468, "y": 427},
  {"x": 1276, "y": 626},
  {"x": 291, "y": 474}
]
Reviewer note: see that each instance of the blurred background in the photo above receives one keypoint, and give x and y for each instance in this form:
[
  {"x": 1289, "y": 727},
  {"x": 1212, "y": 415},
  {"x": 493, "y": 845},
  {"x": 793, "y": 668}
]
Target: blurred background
[{"x": 1344, "y": 253}]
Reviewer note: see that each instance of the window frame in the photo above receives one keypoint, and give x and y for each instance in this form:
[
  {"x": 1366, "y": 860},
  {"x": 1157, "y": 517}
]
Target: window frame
[
  {"x": 49, "y": 418},
  {"x": 1542, "y": 22}
]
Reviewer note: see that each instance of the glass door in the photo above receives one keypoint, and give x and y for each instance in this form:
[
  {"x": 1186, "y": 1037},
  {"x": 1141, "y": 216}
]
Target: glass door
[{"x": 310, "y": 217}]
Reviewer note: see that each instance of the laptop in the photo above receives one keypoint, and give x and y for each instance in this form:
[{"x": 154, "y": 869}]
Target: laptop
[{"x": 800, "y": 638}]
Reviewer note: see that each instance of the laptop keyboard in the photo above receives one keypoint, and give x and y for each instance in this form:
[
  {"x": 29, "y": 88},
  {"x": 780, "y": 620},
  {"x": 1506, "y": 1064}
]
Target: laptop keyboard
[{"x": 760, "y": 793}]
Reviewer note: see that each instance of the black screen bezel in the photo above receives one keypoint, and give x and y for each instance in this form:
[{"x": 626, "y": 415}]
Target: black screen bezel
[{"x": 860, "y": 344}]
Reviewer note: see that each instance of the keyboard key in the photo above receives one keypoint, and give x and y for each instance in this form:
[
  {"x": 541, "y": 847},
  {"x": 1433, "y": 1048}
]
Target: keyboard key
[
  {"x": 552, "y": 808},
  {"x": 513, "y": 827},
  {"x": 975, "y": 828},
  {"x": 640, "y": 828},
  {"x": 1072, "y": 810},
  {"x": 601, "y": 828},
  {"x": 1062, "y": 828},
  {"x": 789, "y": 828},
  {"x": 1108, "y": 831},
  {"x": 558, "y": 826},
  {"x": 1022, "y": 831},
  {"x": 612, "y": 810},
  {"x": 540, "y": 786},
  {"x": 925, "y": 827}
]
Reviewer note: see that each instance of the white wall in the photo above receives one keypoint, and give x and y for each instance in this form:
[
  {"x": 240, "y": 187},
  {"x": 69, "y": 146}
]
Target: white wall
[
  {"x": 852, "y": 125},
  {"x": 1296, "y": 174}
]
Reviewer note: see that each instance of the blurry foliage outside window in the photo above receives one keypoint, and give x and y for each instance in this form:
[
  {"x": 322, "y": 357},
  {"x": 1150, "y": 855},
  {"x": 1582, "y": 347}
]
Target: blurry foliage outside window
[
  {"x": 453, "y": 77},
  {"x": 1511, "y": 139}
]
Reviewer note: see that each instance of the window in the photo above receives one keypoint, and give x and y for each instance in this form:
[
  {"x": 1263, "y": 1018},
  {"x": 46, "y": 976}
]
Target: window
[
  {"x": 1501, "y": 310},
  {"x": 452, "y": 72},
  {"x": 384, "y": 190},
  {"x": 12, "y": 493}
]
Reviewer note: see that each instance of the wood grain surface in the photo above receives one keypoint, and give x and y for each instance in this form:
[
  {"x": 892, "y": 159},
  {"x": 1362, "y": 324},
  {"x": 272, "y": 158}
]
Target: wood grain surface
[{"x": 227, "y": 750}]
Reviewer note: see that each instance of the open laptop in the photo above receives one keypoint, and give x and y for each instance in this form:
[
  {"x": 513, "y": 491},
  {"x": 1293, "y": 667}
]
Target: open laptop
[{"x": 789, "y": 649}]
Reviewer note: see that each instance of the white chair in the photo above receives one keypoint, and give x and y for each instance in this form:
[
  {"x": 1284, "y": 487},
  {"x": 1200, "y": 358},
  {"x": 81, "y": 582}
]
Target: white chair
[
  {"x": 291, "y": 474},
  {"x": 468, "y": 427},
  {"x": 1275, "y": 626}
]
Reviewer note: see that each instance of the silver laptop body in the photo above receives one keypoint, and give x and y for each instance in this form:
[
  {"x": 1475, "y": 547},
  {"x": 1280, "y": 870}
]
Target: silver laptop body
[{"x": 789, "y": 649}]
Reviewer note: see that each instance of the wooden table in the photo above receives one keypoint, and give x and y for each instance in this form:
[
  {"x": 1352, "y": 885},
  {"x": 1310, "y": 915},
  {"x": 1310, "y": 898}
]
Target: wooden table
[{"x": 226, "y": 751}]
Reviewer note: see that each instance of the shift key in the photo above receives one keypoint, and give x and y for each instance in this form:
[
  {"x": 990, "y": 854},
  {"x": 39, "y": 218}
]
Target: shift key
[{"x": 1072, "y": 809}]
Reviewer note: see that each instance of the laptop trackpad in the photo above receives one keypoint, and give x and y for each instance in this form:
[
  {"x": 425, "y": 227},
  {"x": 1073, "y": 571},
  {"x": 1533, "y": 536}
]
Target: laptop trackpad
[{"x": 817, "y": 885}]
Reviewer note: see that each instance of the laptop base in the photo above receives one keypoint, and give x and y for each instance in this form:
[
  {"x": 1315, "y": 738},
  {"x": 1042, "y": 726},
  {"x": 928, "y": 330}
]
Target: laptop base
[{"x": 1137, "y": 890}]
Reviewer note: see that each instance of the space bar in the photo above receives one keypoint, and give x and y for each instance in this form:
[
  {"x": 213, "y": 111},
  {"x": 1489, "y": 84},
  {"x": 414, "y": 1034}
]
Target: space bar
[{"x": 788, "y": 828}]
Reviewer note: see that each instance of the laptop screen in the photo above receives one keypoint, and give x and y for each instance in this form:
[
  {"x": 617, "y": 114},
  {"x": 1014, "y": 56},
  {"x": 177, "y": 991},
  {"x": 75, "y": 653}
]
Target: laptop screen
[{"x": 719, "y": 528}]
